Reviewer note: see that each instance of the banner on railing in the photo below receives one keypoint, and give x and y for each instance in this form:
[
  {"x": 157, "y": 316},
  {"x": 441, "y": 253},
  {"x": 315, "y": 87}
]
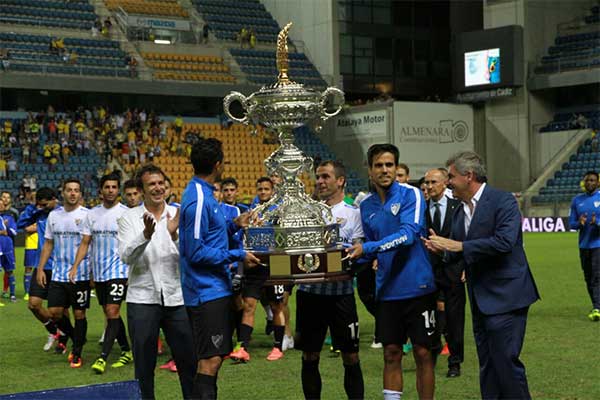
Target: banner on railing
[{"x": 158, "y": 23}]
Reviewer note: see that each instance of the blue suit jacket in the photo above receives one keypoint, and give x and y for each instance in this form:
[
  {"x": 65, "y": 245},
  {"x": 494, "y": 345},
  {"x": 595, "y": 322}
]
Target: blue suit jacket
[{"x": 497, "y": 272}]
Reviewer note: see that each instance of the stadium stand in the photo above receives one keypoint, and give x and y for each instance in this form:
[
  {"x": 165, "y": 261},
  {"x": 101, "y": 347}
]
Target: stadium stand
[
  {"x": 166, "y": 8},
  {"x": 188, "y": 67},
  {"x": 227, "y": 18},
  {"x": 33, "y": 53},
  {"x": 577, "y": 49},
  {"x": 75, "y": 14},
  {"x": 587, "y": 117},
  {"x": 566, "y": 182},
  {"x": 260, "y": 67}
]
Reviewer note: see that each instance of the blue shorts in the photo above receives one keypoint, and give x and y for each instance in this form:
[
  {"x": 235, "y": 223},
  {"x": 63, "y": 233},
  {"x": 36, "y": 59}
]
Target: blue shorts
[
  {"x": 7, "y": 260},
  {"x": 30, "y": 258}
]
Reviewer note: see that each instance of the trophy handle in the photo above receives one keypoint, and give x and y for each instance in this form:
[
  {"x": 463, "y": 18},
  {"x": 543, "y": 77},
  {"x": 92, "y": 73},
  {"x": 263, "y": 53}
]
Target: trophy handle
[
  {"x": 333, "y": 93},
  {"x": 230, "y": 98}
]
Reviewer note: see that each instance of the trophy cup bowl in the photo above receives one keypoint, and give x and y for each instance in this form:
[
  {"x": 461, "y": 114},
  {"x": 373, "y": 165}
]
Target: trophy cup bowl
[{"x": 296, "y": 237}]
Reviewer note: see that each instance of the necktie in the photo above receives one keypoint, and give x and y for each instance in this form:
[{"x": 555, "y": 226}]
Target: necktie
[{"x": 437, "y": 218}]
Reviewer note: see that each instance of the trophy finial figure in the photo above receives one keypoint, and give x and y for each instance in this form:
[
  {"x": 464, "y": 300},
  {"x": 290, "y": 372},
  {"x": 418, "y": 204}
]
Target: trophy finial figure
[{"x": 282, "y": 56}]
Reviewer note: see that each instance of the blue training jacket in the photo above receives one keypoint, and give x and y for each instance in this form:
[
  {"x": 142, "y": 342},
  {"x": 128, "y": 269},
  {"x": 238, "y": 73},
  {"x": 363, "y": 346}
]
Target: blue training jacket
[
  {"x": 393, "y": 233},
  {"x": 204, "y": 245},
  {"x": 589, "y": 234},
  {"x": 33, "y": 215}
]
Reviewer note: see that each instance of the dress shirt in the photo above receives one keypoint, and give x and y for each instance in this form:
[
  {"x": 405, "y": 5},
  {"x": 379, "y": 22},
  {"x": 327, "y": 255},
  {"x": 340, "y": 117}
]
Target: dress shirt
[
  {"x": 443, "y": 202},
  {"x": 467, "y": 210},
  {"x": 153, "y": 264}
]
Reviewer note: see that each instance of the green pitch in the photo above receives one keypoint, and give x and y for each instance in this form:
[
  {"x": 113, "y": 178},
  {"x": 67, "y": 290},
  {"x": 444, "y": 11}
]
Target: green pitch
[{"x": 562, "y": 348}]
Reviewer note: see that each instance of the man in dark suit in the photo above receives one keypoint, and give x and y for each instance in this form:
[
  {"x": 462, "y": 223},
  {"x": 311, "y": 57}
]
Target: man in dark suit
[
  {"x": 486, "y": 235},
  {"x": 449, "y": 276}
]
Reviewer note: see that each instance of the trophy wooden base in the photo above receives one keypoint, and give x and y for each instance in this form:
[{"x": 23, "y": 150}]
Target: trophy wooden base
[{"x": 307, "y": 268}]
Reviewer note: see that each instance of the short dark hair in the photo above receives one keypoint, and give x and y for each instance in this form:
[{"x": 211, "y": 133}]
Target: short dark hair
[
  {"x": 110, "y": 177},
  {"x": 380, "y": 148},
  {"x": 206, "y": 153},
  {"x": 130, "y": 183},
  {"x": 591, "y": 172},
  {"x": 71, "y": 180},
  {"x": 338, "y": 168},
  {"x": 45, "y": 193},
  {"x": 404, "y": 167},
  {"x": 264, "y": 179},
  {"x": 147, "y": 169},
  {"x": 229, "y": 181}
]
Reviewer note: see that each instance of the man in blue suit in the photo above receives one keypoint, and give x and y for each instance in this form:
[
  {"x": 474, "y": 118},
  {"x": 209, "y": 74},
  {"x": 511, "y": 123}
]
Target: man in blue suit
[{"x": 486, "y": 234}]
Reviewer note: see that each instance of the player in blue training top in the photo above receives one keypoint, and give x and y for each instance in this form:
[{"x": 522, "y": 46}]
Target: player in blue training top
[
  {"x": 393, "y": 219},
  {"x": 63, "y": 235},
  {"x": 229, "y": 191},
  {"x": 585, "y": 217},
  {"x": 205, "y": 259},
  {"x": 8, "y": 230},
  {"x": 100, "y": 230},
  {"x": 46, "y": 201}
]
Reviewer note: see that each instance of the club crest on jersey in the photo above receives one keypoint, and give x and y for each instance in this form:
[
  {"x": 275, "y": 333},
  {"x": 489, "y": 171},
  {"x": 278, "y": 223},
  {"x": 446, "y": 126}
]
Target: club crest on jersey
[
  {"x": 596, "y": 204},
  {"x": 341, "y": 221},
  {"x": 77, "y": 221},
  {"x": 395, "y": 208}
]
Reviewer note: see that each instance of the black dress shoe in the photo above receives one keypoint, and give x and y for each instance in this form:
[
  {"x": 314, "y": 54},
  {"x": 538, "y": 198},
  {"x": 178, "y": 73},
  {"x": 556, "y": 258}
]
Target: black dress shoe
[{"x": 453, "y": 372}]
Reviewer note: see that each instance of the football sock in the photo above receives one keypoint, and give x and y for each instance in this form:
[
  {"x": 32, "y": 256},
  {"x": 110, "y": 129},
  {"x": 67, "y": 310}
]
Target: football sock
[
  {"x": 122, "y": 336},
  {"x": 353, "y": 381},
  {"x": 80, "y": 333},
  {"x": 278, "y": 332},
  {"x": 391, "y": 394},
  {"x": 110, "y": 333},
  {"x": 50, "y": 327},
  {"x": 205, "y": 387},
  {"x": 244, "y": 335},
  {"x": 27, "y": 281},
  {"x": 5, "y": 287},
  {"x": 64, "y": 324},
  {"x": 11, "y": 284},
  {"x": 311, "y": 379}
]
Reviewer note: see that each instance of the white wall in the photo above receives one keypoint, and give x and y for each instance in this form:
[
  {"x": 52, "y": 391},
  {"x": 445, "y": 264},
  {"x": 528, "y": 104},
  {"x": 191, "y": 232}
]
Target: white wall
[{"x": 314, "y": 24}]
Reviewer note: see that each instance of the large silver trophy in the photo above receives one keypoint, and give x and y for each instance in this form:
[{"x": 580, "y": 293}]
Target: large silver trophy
[{"x": 295, "y": 236}]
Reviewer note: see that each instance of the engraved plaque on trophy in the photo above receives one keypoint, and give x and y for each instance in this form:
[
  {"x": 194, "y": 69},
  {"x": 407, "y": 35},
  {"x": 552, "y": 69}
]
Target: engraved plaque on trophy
[{"x": 295, "y": 236}]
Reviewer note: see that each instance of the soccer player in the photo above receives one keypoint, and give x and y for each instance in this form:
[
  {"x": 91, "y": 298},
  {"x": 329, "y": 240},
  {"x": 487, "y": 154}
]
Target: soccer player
[
  {"x": 585, "y": 217},
  {"x": 393, "y": 219},
  {"x": 331, "y": 305},
  {"x": 46, "y": 201},
  {"x": 131, "y": 193},
  {"x": 100, "y": 230},
  {"x": 63, "y": 236},
  {"x": 168, "y": 194},
  {"x": 205, "y": 259},
  {"x": 30, "y": 256},
  {"x": 254, "y": 289},
  {"x": 8, "y": 230},
  {"x": 229, "y": 190}
]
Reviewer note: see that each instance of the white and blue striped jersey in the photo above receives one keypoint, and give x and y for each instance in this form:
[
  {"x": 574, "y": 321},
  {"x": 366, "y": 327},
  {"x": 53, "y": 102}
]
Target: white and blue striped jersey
[
  {"x": 65, "y": 229},
  {"x": 348, "y": 217},
  {"x": 101, "y": 224}
]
